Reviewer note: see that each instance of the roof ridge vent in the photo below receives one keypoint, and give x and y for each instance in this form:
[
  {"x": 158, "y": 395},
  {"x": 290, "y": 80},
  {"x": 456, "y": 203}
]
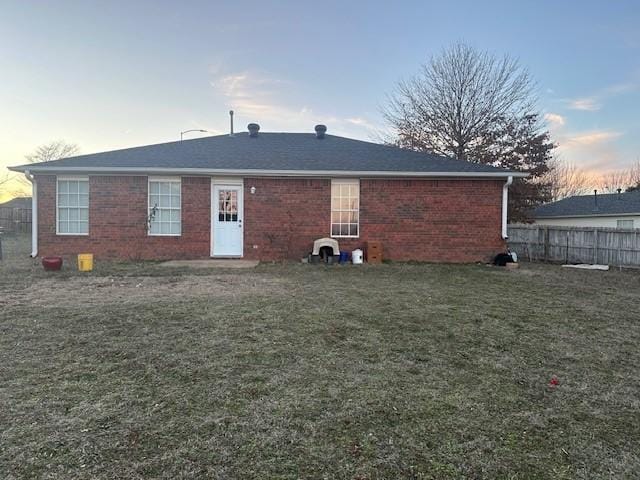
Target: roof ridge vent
[
  {"x": 320, "y": 131},
  {"x": 253, "y": 128}
]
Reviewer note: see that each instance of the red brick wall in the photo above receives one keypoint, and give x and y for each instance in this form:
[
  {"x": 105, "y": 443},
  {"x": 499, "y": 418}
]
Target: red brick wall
[
  {"x": 117, "y": 220},
  {"x": 284, "y": 216},
  {"x": 429, "y": 220}
]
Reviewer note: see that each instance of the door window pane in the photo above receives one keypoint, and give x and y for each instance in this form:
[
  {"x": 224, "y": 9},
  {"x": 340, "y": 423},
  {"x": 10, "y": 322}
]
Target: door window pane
[{"x": 227, "y": 205}]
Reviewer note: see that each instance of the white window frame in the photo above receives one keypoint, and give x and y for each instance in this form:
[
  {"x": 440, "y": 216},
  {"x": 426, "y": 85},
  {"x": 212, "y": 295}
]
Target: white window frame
[
  {"x": 626, "y": 221},
  {"x": 76, "y": 178},
  {"x": 163, "y": 179},
  {"x": 343, "y": 181}
]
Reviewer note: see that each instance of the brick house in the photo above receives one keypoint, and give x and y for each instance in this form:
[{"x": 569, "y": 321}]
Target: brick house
[{"x": 267, "y": 196}]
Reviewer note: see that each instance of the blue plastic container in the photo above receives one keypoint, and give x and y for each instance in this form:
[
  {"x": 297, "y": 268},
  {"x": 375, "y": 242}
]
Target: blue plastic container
[{"x": 344, "y": 257}]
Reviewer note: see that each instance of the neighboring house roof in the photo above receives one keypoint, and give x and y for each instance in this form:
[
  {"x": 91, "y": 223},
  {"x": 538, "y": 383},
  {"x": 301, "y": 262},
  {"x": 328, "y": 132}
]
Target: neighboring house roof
[
  {"x": 590, "y": 205},
  {"x": 270, "y": 154},
  {"x": 19, "y": 202}
]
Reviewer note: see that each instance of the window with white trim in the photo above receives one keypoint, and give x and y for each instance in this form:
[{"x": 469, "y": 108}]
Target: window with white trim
[
  {"x": 345, "y": 208},
  {"x": 624, "y": 224},
  {"x": 72, "y": 206},
  {"x": 164, "y": 206}
]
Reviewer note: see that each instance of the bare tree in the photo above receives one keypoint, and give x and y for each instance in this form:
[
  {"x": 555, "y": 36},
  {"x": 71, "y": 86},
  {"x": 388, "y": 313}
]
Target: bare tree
[
  {"x": 5, "y": 178},
  {"x": 53, "y": 151},
  {"x": 565, "y": 179},
  {"x": 50, "y": 151},
  {"x": 634, "y": 176},
  {"x": 473, "y": 106},
  {"x": 5, "y": 181},
  {"x": 17, "y": 185},
  {"x": 615, "y": 180},
  {"x": 457, "y": 97},
  {"x": 9, "y": 185}
]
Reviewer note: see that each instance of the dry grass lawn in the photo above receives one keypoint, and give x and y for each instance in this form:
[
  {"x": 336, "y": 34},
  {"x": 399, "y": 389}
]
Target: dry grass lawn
[{"x": 298, "y": 371}]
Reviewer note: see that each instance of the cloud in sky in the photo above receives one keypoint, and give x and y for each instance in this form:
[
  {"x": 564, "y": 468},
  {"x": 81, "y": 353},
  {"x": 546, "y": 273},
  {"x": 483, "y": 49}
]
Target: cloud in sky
[
  {"x": 554, "y": 119},
  {"x": 591, "y": 138},
  {"x": 588, "y": 104},
  {"x": 590, "y": 150},
  {"x": 359, "y": 121},
  {"x": 601, "y": 149},
  {"x": 622, "y": 88},
  {"x": 593, "y": 150},
  {"x": 255, "y": 96},
  {"x": 593, "y": 103},
  {"x": 260, "y": 97}
]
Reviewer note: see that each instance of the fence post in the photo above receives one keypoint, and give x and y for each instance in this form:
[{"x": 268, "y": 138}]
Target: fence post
[
  {"x": 595, "y": 246},
  {"x": 619, "y": 262},
  {"x": 619, "y": 248},
  {"x": 546, "y": 244}
]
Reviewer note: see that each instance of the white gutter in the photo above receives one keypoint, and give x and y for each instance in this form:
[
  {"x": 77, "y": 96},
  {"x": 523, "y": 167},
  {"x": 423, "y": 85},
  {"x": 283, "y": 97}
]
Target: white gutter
[
  {"x": 505, "y": 205},
  {"x": 266, "y": 173},
  {"x": 34, "y": 213},
  {"x": 626, "y": 214}
]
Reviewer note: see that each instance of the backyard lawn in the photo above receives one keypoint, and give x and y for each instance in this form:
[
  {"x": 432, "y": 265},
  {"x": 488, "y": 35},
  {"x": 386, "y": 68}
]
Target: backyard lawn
[{"x": 299, "y": 371}]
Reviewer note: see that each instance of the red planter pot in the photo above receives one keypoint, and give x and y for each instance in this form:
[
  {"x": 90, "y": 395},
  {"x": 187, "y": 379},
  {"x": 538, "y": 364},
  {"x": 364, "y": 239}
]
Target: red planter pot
[{"x": 52, "y": 263}]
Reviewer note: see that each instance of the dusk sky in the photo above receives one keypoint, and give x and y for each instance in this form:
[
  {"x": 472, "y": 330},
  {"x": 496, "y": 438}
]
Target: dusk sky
[{"x": 108, "y": 75}]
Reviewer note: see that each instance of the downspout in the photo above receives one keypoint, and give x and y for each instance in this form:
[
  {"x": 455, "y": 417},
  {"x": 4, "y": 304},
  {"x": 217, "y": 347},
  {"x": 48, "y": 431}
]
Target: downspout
[
  {"x": 505, "y": 198},
  {"x": 34, "y": 213}
]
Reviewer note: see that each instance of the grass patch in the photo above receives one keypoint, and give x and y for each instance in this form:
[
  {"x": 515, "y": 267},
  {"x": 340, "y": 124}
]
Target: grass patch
[{"x": 298, "y": 371}]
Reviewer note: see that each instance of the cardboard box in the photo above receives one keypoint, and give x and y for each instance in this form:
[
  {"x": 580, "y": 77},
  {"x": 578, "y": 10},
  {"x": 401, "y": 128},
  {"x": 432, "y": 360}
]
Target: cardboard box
[{"x": 374, "y": 252}]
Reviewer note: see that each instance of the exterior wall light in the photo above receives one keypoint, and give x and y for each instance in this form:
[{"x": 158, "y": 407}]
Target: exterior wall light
[{"x": 253, "y": 190}]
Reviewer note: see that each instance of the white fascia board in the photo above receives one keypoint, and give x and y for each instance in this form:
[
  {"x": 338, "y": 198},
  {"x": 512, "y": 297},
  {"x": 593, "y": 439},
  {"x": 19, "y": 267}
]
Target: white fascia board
[{"x": 265, "y": 173}]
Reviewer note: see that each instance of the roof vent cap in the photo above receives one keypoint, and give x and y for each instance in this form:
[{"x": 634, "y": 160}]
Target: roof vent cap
[
  {"x": 320, "y": 131},
  {"x": 253, "y": 128}
]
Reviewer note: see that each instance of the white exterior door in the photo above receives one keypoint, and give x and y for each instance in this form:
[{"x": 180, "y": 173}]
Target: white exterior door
[{"x": 227, "y": 235}]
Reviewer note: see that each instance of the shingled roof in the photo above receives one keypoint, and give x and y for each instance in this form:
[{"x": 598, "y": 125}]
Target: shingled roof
[
  {"x": 270, "y": 154},
  {"x": 18, "y": 202},
  {"x": 586, "y": 205}
]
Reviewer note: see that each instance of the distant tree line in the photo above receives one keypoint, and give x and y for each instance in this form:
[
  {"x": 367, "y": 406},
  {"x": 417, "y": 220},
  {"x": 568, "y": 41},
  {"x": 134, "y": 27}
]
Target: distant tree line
[{"x": 565, "y": 179}]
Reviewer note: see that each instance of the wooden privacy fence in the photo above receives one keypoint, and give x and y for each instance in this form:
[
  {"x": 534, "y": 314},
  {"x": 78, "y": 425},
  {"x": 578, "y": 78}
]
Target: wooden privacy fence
[
  {"x": 606, "y": 246},
  {"x": 15, "y": 220}
]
